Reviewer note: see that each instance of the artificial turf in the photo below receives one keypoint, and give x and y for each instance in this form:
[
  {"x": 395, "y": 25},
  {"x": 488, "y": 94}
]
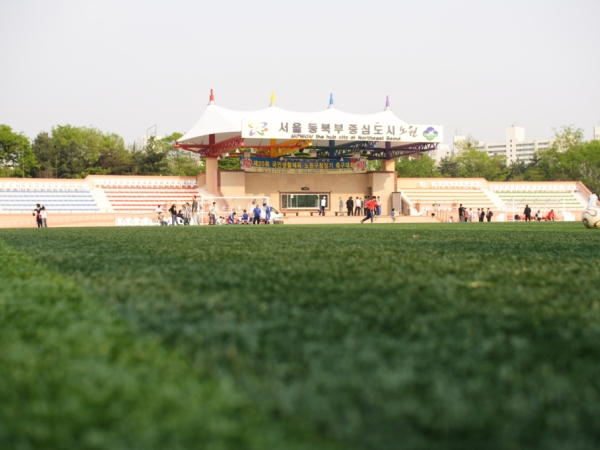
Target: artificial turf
[{"x": 441, "y": 336}]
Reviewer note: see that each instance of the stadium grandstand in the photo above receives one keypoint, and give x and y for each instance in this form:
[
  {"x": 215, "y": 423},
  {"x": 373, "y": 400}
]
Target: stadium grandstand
[
  {"x": 542, "y": 196},
  {"x": 97, "y": 194},
  {"x": 56, "y": 196},
  {"x": 507, "y": 199},
  {"x": 145, "y": 194},
  {"x": 102, "y": 199}
]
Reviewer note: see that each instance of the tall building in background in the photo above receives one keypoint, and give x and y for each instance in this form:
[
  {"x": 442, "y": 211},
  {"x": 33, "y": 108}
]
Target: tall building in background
[
  {"x": 442, "y": 151},
  {"x": 597, "y": 133},
  {"x": 516, "y": 148}
]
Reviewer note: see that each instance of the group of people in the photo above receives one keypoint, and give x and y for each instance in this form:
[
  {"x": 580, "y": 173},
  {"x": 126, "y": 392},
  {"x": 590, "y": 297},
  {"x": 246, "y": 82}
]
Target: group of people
[
  {"x": 41, "y": 216},
  {"x": 358, "y": 206},
  {"x": 188, "y": 214},
  {"x": 232, "y": 219},
  {"x": 467, "y": 215},
  {"x": 551, "y": 216}
]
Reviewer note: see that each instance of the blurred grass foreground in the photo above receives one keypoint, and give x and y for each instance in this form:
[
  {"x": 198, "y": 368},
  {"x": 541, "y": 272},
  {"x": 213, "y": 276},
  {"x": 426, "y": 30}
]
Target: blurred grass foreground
[{"x": 443, "y": 336}]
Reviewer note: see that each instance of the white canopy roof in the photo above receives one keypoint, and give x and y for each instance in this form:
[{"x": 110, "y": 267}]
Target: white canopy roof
[{"x": 260, "y": 126}]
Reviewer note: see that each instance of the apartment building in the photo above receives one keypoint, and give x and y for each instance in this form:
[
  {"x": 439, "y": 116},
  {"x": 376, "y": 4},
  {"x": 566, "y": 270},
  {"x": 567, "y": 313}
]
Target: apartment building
[{"x": 515, "y": 148}]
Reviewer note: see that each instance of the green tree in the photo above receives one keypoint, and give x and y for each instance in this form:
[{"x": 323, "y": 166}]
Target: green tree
[
  {"x": 567, "y": 137},
  {"x": 75, "y": 152},
  {"x": 151, "y": 159},
  {"x": 449, "y": 167},
  {"x": 374, "y": 166},
  {"x": 582, "y": 163},
  {"x": 46, "y": 155},
  {"x": 517, "y": 170},
  {"x": 181, "y": 162},
  {"x": 477, "y": 163},
  {"x": 229, "y": 164},
  {"x": 17, "y": 159},
  {"x": 423, "y": 167}
]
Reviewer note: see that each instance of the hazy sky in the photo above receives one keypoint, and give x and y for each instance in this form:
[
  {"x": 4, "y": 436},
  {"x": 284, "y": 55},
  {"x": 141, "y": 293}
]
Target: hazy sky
[{"x": 470, "y": 65}]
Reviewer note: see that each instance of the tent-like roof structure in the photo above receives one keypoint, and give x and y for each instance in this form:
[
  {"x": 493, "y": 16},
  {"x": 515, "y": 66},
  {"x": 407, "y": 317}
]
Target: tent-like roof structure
[{"x": 331, "y": 133}]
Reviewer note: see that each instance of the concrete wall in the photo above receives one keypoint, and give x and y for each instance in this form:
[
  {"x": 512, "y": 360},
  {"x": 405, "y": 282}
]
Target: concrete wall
[{"x": 239, "y": 183}]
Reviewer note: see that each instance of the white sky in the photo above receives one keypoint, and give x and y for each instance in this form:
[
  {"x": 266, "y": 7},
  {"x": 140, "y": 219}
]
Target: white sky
[{"x": 470, "y": 65}]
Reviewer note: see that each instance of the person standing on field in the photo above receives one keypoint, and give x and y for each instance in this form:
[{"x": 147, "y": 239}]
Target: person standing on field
[
  {"x": 593, "y": 200},
  {"x": 173, "y": 211},
  {"x": 527, "y": 213},
  {"x": 212, "y": 214},
  {"x": 322, "y": 206},
  {"x": 196, "y": 210},
  {"x": 350, "y": 206},
  {"x": 44, "y": 216},
  {"x": 461, "y": 213},
  {"x": 187, "y": 214},
  {"x": 357, "y": 206},
  {"x": 256, "y": 215},
  {"x": 489, "y": 215},
  {"x": 37, "y": 214},
  {"x": 341, "y": 207}
]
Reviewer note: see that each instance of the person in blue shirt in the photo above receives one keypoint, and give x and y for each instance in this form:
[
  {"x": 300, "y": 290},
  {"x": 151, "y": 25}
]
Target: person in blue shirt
[
  {"x": 267, "y": 213},
  {"x": 256, "y": 218},
  {"x": 245, "y": 218},
  {"x": 231, "y": 219}
]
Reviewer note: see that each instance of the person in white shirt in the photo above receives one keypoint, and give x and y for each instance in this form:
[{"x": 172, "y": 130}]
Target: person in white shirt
[
  {"x": 592, "y": 200},
  {"x": 323, "y": 205},
  {"x": 212, "y": 214},
  {"x": 358, "y": 206},
  {"x": 44, "y": 215}
]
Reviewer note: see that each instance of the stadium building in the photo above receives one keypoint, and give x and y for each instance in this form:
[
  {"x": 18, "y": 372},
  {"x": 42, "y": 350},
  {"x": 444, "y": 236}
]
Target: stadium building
[{"x": 293, "y": 161}]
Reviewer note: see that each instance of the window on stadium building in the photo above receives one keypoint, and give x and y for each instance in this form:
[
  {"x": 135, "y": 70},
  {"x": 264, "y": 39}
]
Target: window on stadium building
[{"x": 303, "y": 201}]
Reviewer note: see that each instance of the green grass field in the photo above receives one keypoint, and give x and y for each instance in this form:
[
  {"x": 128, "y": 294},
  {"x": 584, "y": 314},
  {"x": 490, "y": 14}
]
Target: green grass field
[{"x": 444, "y": 336}]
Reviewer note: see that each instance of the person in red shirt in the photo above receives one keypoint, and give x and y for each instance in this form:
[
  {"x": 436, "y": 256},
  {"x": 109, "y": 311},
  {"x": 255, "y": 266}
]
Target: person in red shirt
[
  {"x": 370, "y": 208},
  {"x": 551, "y": 216}
]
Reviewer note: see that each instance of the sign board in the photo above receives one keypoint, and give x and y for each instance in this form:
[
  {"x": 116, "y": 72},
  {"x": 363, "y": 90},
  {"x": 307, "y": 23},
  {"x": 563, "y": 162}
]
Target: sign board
[
  {"x": 299, "y": 166},
  {"x": 360, "y": 130}
]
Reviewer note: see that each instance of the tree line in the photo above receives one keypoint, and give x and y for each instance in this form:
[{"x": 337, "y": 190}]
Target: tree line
[
  {"x": 75, "y": 152},
  {"x": 569, "y": 158}
]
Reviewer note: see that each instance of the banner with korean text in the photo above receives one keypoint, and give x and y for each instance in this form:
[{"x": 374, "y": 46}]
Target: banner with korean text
[
  {"x": 330, "y": 166},
  {"x": 360, "y": 130}
]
